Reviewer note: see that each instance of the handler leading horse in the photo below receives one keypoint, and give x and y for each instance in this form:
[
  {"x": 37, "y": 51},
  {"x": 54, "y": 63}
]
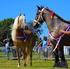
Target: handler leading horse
[
  {"x": 21, "y": 36},
  {"x": 55, "y": 24}
]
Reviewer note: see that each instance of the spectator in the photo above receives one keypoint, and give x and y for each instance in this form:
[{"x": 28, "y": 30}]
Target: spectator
[
  {"x": 14, "y": 52},
  {"x": 7, "y": 47},
  {"x": 44, "y": 46}
]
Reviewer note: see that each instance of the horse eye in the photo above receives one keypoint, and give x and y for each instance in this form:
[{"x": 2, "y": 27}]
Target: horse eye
[{"x": 38, "y": 13}]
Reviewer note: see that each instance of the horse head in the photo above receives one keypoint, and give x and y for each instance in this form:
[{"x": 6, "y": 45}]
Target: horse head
[
  {"x": 38, "y": 18},
  {"x": 42, "y": 12},
  {"x": 19, "y": 22}
]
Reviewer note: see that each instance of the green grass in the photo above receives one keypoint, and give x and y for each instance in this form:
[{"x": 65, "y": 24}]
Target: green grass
[{"x": 36, "y": 64}]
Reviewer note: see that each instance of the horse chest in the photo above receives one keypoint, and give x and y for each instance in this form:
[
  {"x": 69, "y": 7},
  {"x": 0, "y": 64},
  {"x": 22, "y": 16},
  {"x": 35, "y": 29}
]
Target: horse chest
[
  {"x": 21, "y": 35},
  {"x": 19, "y": 32}
]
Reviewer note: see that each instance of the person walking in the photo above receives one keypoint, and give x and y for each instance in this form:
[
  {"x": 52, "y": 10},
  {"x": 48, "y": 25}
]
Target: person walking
[{"x": 7, "y": 47}]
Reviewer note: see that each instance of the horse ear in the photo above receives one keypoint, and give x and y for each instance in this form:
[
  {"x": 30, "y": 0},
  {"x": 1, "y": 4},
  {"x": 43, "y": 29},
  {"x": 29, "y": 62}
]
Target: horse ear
[
  {"x": 20, "y": 14},
  {"x": 24, "y": 14},
  {"x": 38, "y": 7}
]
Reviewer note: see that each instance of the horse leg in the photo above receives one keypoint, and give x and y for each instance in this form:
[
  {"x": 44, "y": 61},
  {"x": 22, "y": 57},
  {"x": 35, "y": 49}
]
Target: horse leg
[
  {"x": 30, "y": 57},
  {"x": 56, "y": 64},
  {"x": 18, "y": 55},
  {"x": 24, "y": 56},
  {"x": 63, "y": 61}
]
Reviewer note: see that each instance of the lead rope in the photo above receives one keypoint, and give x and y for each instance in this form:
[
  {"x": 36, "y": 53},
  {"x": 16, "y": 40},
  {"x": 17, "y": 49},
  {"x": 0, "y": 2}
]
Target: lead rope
[{"x": 59, "y": 41}]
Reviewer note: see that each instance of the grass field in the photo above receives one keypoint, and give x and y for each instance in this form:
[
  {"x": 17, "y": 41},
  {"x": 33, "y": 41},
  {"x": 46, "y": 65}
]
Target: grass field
[{"x": 37, "y": 63}]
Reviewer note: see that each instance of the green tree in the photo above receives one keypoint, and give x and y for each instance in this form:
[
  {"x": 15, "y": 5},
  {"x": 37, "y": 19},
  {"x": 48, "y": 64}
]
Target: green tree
[{"x": 5, "y": 28}]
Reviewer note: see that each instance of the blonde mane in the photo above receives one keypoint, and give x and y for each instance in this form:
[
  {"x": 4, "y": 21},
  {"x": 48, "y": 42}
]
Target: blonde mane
[{"x": 19, "y": 20}]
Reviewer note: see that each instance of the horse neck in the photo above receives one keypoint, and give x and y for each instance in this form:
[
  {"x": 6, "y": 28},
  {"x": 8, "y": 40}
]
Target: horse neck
[{"x": 55, "y": 25}]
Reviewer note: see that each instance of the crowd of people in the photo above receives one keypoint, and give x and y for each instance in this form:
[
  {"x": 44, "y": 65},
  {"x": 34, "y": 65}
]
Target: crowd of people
[
  {"x": 40, "y": 46},
  {"x": 44, "y": 46}
]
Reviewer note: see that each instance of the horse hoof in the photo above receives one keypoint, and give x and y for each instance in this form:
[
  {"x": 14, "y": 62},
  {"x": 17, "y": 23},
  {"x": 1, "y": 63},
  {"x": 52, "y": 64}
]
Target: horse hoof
[
  {"x": 56, "y": 64},
  {"x": 24, "y": 65},
  {"x": 30, "y": 64},
  {"x": 64, "y": 64},
  {"x": 18, "y": 65}
]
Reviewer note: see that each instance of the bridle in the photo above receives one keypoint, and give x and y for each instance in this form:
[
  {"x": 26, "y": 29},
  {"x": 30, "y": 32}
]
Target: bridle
[{"x": 40, "y": 16}]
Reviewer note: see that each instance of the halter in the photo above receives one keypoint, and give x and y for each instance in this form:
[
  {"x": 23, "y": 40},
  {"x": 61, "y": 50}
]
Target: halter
[
  {"x": 51, "y": 12},
  {"x": 52, "y": 16},
  {"x": 36, "y": 21}
]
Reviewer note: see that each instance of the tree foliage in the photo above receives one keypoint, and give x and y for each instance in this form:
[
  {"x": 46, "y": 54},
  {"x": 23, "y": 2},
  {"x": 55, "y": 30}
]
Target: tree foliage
[{"x": 5, "y": 26}]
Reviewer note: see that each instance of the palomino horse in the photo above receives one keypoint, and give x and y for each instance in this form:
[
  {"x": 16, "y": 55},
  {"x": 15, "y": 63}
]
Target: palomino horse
[
  {"x": 55, "y": 24},
  {"x": 22, "y": 38}
]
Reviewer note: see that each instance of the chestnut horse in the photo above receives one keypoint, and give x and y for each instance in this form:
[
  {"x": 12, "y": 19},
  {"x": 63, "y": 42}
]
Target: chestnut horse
[
  {"x": 22, "y": 39},
  {"x": 55, "y": 24}
]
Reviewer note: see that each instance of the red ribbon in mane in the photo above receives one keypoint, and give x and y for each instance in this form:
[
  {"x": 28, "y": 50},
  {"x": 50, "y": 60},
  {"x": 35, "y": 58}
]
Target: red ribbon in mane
[{"x": 52, "y": 14}]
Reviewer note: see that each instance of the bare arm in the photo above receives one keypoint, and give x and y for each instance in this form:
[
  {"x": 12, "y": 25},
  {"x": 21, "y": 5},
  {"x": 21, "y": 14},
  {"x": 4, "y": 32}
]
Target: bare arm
[{"x": 65, "y": 32}]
